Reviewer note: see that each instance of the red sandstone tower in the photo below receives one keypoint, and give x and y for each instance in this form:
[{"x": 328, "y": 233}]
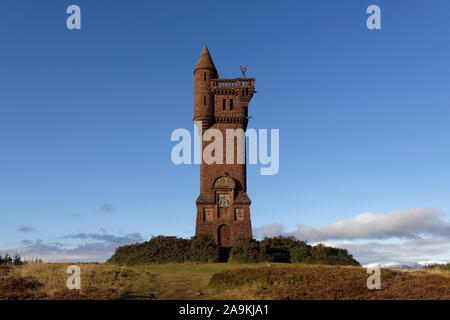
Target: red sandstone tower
[{"x": 223, "y": 206}]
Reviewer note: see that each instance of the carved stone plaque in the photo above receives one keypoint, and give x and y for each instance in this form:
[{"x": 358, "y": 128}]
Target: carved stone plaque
[
  {"x": 224, "y": 182},
  {"x": 208, "y": 214},
  {"x": 239, "y": 214},
  {"x": 224, "y": 200}
]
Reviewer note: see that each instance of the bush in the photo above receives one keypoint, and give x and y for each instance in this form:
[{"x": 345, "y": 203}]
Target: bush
[
  {"x": 203, "y": 249},
  {"x": 300, "y": 252},
  {"x": 158, "y": 249},
  {"x": 163, "y": 249},
  {"x": 277, "y": 249},
  {"x": 321, "y": 254},
  {"x": 245, "y": 251}
]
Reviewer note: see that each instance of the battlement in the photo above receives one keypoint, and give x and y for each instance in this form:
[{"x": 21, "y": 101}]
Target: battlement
[{"x": 232, "y": 83}]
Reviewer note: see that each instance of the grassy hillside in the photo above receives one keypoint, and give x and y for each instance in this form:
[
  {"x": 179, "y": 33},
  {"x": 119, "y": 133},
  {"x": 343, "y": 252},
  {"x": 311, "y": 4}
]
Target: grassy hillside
[
  {"x": 218, "y": 281},
  {"x": 329, "y": 283}
]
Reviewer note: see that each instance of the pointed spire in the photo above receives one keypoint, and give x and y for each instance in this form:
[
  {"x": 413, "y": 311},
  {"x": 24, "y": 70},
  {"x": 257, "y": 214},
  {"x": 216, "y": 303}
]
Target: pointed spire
[{"x": 205, "y": 61}]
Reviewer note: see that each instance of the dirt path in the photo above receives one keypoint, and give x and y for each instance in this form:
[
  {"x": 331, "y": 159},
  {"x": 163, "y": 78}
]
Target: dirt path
[{"x": 171, "y": 286}]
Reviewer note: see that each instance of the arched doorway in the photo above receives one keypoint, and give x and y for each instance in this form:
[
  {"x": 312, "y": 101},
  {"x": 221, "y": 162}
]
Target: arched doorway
[{"x": 224, "y": 236}]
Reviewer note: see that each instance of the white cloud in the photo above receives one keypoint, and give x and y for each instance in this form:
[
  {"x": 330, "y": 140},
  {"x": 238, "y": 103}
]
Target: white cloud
[
  {"x": 424, "y": 234},
  {"x": 412, "y": 250},
  {"x": 405, "y": 224},
  {"x": 96, "y": 247},
  {"x": 269, "y": 230}
]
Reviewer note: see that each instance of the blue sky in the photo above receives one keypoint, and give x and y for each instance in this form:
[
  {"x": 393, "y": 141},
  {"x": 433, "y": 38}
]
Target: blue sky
[{"x": 86, "y": 115}]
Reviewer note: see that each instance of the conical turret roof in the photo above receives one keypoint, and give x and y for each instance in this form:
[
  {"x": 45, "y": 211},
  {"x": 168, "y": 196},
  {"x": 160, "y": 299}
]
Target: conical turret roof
[{"x": 205, "y": 61}]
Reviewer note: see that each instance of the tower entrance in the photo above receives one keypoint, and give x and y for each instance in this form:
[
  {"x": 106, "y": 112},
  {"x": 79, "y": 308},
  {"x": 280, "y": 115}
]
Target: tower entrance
[{"x": 224, "y": 236}]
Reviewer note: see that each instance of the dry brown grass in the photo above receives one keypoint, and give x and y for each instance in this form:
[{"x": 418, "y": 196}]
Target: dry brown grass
[
  {"x": 329, "y": 283},
  {"x": 99, "y": 281},
  {"x": 218, "y": 281}
]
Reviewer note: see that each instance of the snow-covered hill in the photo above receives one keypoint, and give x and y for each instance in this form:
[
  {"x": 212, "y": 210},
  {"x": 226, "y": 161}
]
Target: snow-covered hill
[{"x": 402, "y": 264}]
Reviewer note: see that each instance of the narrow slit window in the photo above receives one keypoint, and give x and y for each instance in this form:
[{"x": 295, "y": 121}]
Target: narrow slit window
[
  {"x": 231, "y": 104},
  {"x": 204, "y": 76},
  {"x": 204, "y": 100},
  {"x": 224, "y": 106}
]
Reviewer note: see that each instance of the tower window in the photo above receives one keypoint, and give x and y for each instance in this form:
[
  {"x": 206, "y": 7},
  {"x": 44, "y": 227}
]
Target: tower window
[
  {"x": 204, "y": 100},
  {"x": 224, "y": 104},
  {"x": 231, "y": 104},
  {"x": 204, "y": 76}
]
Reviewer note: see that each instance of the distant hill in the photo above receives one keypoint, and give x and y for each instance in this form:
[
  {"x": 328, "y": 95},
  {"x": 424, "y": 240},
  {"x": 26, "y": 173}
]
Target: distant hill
[{"x": 403, "y": 264}]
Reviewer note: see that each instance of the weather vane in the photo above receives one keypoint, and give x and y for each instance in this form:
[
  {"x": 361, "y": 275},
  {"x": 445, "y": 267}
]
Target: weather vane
[{"x": 243, "y": 70}]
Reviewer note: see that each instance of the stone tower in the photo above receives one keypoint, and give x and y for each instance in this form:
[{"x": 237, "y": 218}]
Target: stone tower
[{"x": 223, "y": 206}]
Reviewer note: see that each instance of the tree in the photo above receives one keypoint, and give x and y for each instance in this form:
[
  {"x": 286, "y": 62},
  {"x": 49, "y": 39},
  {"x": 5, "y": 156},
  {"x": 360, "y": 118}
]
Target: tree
[
  {"x": 7, "y": 259},
  {"x": 17, "y": 259}
]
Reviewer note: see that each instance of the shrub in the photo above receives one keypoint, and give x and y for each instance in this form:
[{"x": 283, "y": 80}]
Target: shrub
[
  {"x": 277, "y": 249},
  {"x": 333, "y": 256},
  {"x": 163, "y": 249},
  {"x": 300, "y": 252},
  {"x": 158, "y": 249},
  {"x": 203, "y": 249},
  {"x": 289, "y": 249},
  {"x": 283, "y": 243},
  {"x": 246, "y": 250}
]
